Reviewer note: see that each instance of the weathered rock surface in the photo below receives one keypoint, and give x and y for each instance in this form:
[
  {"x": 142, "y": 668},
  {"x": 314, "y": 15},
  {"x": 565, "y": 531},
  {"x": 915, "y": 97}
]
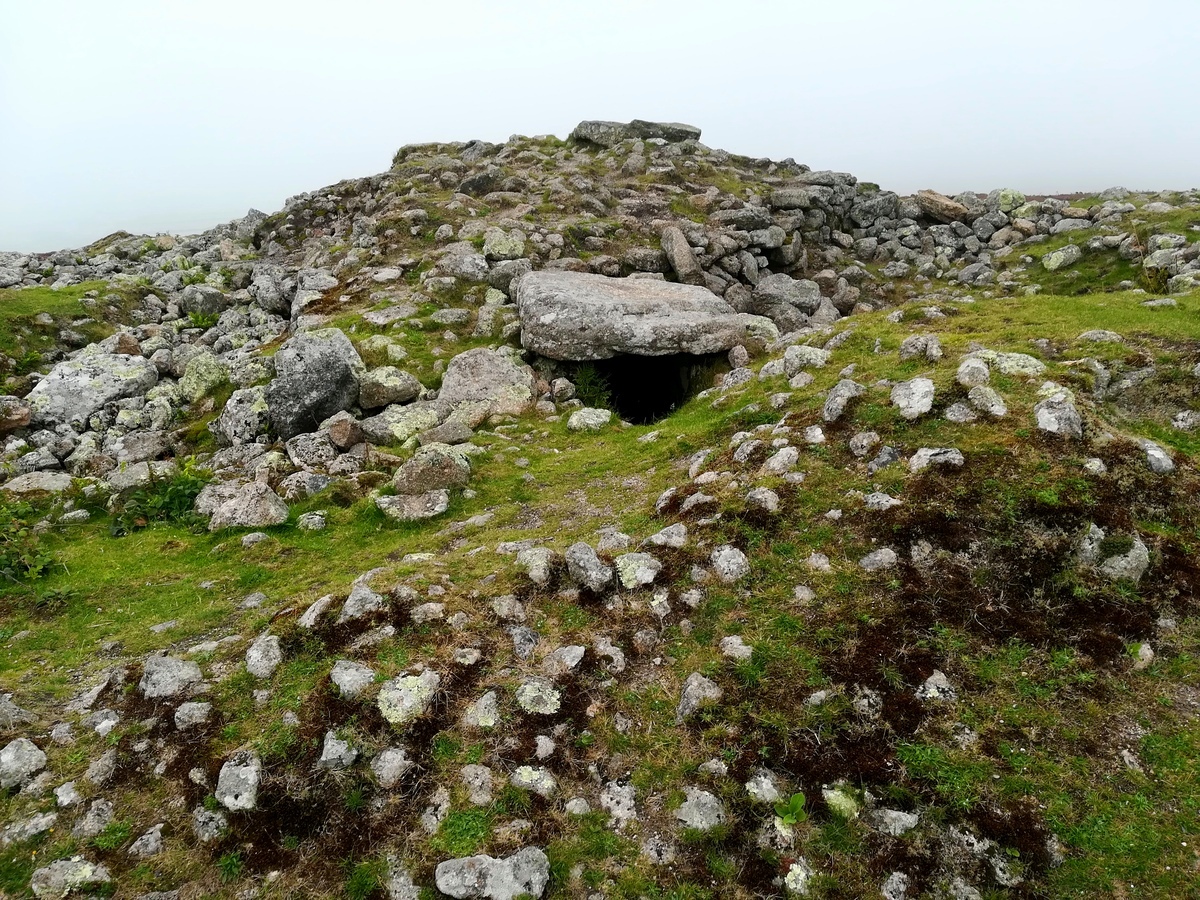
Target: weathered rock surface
[
  {"x": 317, "y": 374},
  {"x": 576, "y": 316},
  {"x": 78, "y": 388},
  {"x": 526, "y": 872}
]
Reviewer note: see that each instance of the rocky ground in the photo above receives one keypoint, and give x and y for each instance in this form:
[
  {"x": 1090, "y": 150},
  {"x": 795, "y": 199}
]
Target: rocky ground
[{"x": 609, "y": 517}]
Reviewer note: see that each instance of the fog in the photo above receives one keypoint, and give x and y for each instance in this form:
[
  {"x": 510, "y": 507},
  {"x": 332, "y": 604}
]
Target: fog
[{"x": 154, "y": 117}]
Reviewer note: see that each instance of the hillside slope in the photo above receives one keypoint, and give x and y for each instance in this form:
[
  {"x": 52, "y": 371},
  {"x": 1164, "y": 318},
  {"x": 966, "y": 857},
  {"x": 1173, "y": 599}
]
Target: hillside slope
[{"x": 319, "y": 581}]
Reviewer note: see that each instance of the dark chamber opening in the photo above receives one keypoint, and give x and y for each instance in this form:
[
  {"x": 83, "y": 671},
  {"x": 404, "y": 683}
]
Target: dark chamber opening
[{"x": 644, "y": 389}]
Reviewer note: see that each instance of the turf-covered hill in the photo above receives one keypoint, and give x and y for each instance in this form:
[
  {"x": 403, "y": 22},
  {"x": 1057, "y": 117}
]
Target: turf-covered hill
[{"x": 896, "y": 598}]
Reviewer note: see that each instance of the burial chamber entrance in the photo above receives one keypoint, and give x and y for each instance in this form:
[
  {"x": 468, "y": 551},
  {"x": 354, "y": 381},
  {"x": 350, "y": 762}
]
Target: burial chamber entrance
[{"x": 644, "y": 389}]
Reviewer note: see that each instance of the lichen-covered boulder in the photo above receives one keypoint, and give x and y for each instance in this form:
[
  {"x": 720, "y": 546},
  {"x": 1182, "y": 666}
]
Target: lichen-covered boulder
[
  {"x": 316, "y": 375},
  {"x": 405, "y": 699},
  {"x": 255, "y": 505},
  {"x": 76, "y": 389},
  {"x": 578, "y": 316},
  {"x": 482, "y": 383}
]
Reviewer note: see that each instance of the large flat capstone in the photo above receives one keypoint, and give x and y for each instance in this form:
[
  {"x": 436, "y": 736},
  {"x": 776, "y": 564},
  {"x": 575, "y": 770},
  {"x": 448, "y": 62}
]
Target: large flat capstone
[{"x": 576, "y": 317}]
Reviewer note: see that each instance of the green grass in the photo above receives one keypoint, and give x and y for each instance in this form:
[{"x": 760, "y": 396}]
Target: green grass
[
  {"x": 22, "y": 339},
  {"x": 463, "y": 832}
]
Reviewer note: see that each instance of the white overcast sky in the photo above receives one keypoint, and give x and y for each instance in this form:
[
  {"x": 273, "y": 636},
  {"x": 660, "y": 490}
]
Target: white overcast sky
[{"x": 175, "y": 115}]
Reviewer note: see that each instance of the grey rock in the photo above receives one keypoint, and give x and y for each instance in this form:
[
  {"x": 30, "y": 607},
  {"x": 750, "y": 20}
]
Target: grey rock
[
  {"x": 697, "y": 691},
  {"x": 586, "y": 569},
  {"x": 98, "y": 817},
  {"x": 1058, "y": 415},
  {"x": 635, "y": 570},
  {"x": 730, "y": 564},
  {"x": 391, "y": 765},
  {"x": 481, "y": 383},
  {"x": 361, "y": 603},
  {"x": 538, "y": 563},
  {"x": 1063, "y": 257},
  {"x": 237, "y": 784},
  {"x": 484, "y": 712},
  {"x": 674, "y": 536},
  {"x": 23, "y": 830},
  {"x": 103, "y": 768},
  {"x": 1130, "y": 565},
  {"x": 973, "y": 372},
  {"x": 576, "y": 316},
  {"x": 385, "y": 386},
  {"x": 938, "y": 457},
  {"x": 839, "y": 398},
  {"x": 733, "y": 647},
  {"x": 526, "y": 872},
  {"x": 680, "y": 256},
  {"x": 264, "y": 656},
  {"x": 317, "y": 374},
  {"x": 936, "y": 688},
  {"x": 254, "y": 505},
  {"x": 588, "y": 419},
  {"x": 893, "y": 822},
  {"x": 878, "y": 560},
  {"x": 203, "y": 299},
  {"x": 12, "y": 715},
  {"x": 478, "y": 782},
  {"x": 988, "y": 401},
  {"x": 209, "y": 825},
  {"x": 190, "y": 715},
  {"x": 701, "y": 810},
  {"x": 799, "y": 357},
  {"x": 563, "y": 661},
  {"x": 20, "y": 760},
  {"x": 149, "y": 844},
  {"x": 433, "y": 467},
  {"x": 166, "y": 676},
  {"x": 80, "y": 387},
  {"x": 535, "y": 779},
  {"x": 67, "y": 876},
  {"x": 539, "y": 697},
  {"x": 405, "y": 699},
  {"x": 34, "y": 484},
  {"x": 336, "y": 754},
  {"x": 413, "y": 507},
  {"x": 921, "y": 346},
  {"x": 913, "y": 398},
  {"x": 245, "y": 418},
  {"x": 351, "y": 678},
  {"x": 1157, "y": 458}
]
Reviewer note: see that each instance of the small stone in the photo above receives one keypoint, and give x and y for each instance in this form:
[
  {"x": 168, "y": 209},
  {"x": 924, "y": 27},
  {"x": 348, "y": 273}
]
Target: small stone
[
  {"x": 588, "y": 419},
  {"x": 674, "y": 536},
  {"x": 539, "y": 697},
  {"x": 67, "y": 876},
  {"x": 166, "y": 676},
  {"x": 264, "y": 656},
  {"x": 207, "y": 825},
  {"x": 701, "y": 811},
  {"x": 20, "y": 760},
  {"x": 336, "y": 754},
  {"x": 405, "y": 699},
  {"x": 697, "y": 691},
  {"x": 730, "y": 564},
  {"x": 939, "y": 457},
  {"x": 937, "y": 688},
  {"x": 484, "y": 712},
  {"x": 390, "y": 766},
  {"x": 878, "y": 560},
  {"x": 535, "y": 779},
  {"x": 733, "y": 647},
  {"x": 149, "y": 844},
  {"x": 237, "y": 784},
  {"x": 351, "y": 678}
]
